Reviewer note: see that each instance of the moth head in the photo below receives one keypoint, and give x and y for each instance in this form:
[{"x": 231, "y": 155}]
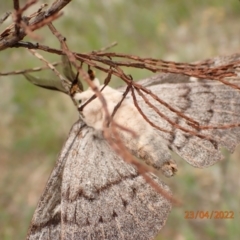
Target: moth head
[
  {"x": 78, "y": 98},
  {"x": 82, "y": 97}
]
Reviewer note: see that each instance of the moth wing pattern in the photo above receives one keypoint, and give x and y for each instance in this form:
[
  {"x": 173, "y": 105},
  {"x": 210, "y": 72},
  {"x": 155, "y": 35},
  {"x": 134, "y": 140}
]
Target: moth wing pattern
[
  {"x": 210, "y": 103},
  {"x": 46, "y": 221},
  {"x": 93, "y": 194}
]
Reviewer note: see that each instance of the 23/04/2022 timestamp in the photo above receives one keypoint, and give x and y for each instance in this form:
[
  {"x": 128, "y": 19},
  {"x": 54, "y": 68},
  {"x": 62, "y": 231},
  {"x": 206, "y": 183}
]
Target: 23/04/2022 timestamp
[{"x": 209, "y": 215}]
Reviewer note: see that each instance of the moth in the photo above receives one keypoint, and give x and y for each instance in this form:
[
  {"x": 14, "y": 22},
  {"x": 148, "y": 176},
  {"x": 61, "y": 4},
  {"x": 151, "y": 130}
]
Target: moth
[{"x": 93, "y": 193}]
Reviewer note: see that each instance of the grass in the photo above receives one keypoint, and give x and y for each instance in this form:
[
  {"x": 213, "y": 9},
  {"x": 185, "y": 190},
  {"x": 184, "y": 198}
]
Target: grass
[{"x": 34, "y": 122}]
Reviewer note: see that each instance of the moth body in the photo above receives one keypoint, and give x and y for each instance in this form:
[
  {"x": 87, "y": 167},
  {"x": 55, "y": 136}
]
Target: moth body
[{"x": 148, "y": 144}]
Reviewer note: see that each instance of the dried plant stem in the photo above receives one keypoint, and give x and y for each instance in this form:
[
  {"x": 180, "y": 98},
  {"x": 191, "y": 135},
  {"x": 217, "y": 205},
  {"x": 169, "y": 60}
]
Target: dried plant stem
[
  {"x": 64, "y": 82},
  {"x": 36, "y": 69}
]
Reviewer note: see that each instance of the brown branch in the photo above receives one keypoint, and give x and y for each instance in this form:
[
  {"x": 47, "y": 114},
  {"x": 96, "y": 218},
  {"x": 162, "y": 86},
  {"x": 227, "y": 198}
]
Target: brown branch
[
  {"x": 8, "y": 38},
  {"x": 203, "y": 65},
  {"x": 200, "y": 70},
  {"x": 105, "y": 48},
  {"x": 56, "y": 7},
  {"x": 70, "y": 55},
  {"x": 216, "y": 73},
  {"x": 189, "y": 120},
  {"x": 144, "y": 115},
  {"x": 45, "y": 21},
  {"x": 18, "y": 13},
  {"x": 18, "y": 16},
  {"x": 73, "y": 60},
  {"x": 28, "y": 4},
  {"x": 119, "y": 104},
  {"x": 29, "y": 32}
]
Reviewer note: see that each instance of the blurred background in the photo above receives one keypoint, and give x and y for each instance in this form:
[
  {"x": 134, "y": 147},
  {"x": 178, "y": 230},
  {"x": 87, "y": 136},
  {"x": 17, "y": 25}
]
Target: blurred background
[{"x": 34, "y": 123}]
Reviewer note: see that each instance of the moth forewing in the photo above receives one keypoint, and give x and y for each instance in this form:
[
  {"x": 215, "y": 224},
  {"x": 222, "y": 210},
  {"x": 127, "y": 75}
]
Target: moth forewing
[
  {"x": 102, "y": 196},
  {"x": 47, "y": 218}
]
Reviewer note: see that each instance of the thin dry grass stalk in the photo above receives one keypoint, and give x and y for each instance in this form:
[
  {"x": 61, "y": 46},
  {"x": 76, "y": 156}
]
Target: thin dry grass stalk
[
  {"x": 4, "y": 17},
  {"x": 30, "y": 70}
]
